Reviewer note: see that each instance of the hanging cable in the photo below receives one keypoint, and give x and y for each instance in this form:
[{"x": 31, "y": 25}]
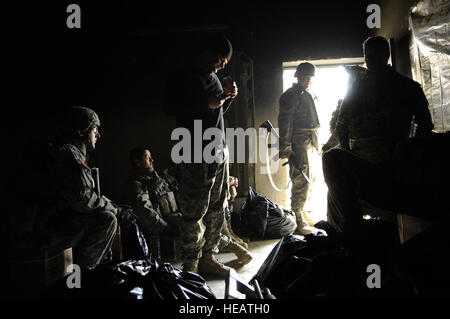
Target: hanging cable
[{"x": 268, "y": 167}]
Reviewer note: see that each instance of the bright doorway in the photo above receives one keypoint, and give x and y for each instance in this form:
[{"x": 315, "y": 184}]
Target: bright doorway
[{"x": 328, "y": 86}]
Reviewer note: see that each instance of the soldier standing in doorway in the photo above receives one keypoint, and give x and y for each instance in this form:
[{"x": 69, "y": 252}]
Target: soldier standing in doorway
[{"x": 298, "y": 124}]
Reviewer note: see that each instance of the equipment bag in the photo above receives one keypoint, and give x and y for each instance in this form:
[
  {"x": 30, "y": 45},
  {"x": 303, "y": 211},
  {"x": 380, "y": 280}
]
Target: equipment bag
[{"x": 261, "y": 218}]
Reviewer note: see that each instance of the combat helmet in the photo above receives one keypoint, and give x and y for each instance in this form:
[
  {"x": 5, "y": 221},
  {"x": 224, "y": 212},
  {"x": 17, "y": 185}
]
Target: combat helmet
[
  {"x": 305, "y": 68},
  {"x": 81, "y": 118}
]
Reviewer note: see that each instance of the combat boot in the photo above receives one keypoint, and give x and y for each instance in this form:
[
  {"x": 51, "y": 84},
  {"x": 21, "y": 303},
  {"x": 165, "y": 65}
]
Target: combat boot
[
  {"x": 239, "y": 240},
  {"x": 208, "y": 264},
  {"x": 243, "y": 255},
  {"x": 308, "y": 218},
  {"x": 227, "y": 230},
  {"x": 302, "y": 227},
  {"x": 190, "y": 266}
]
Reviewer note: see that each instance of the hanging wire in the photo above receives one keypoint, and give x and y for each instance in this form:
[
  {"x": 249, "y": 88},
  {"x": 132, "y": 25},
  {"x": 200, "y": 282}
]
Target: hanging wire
[{"x": 268, "y": 169}]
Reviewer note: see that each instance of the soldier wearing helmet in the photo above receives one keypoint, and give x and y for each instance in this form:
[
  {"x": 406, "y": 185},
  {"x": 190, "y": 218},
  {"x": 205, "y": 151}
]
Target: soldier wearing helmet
[
  {"x": 81, "y": 125},
  {"x": 76, "y": 216},
  {"x": 298, "y": 124}
]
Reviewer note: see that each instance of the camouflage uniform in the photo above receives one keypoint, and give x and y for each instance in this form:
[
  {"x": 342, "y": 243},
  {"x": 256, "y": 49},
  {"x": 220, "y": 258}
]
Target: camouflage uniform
[
  {"x": 227, "y": 236},
  {"x": 60, "y": 205},
  {"x": 377, "y": 112},
  {"x": 202, "y": 202},
  {"x": 141, "y": 192},
  {"x": 202, "y": 182},
  {"x": 77, "y": 217},
  {"x": 298, "y": 124},
  {"x": 157, "y": 194}
]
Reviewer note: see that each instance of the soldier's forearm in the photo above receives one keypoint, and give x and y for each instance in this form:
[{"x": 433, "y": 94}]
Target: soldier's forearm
[{"x": 86, "y": 202}]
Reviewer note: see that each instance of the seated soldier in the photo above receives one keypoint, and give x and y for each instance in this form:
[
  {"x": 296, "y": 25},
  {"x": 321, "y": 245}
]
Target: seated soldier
[
  {"x": 68, "y": 212},
  {"x": 157, "y": 193},
  {"x": 151, "y": 197}
]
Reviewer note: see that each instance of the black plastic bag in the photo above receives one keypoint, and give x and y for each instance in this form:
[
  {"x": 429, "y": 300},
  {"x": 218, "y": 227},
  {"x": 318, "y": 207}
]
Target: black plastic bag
[
  {"x": 321, "y": 267},
  {"x": 261, "y": 218},
  {"x": 330, "y": 274},
  {"x": 282, "y": 251},
  {"x": 134, "y": 244},
  {"x": 134, "y": 279},
  {"x": 140, "y": 277},
  {"x": 167, "y": 282},
  {"x": 289, "y": 259}
]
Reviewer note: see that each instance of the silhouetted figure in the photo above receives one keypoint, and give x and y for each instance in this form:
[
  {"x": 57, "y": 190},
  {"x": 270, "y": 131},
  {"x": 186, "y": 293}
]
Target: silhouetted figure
[{"x": 378, "y": 110}]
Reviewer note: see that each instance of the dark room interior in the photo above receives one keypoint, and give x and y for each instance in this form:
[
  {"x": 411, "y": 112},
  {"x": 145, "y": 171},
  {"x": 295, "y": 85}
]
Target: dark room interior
[{"x": 125, "y": 59}]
